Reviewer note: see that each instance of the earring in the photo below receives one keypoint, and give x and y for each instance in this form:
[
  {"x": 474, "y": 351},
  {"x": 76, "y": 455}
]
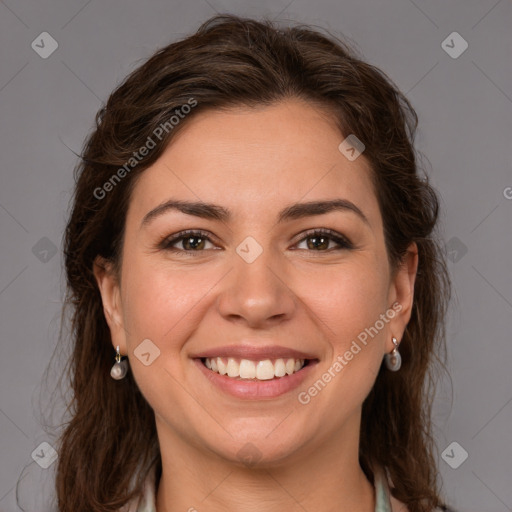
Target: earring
[
  {"x": 394, "y": 359},
  {"x": 120, "y": 367}
]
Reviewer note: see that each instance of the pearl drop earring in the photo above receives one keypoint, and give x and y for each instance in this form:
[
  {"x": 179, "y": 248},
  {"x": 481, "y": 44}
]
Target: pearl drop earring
[
  {"x": 120, "y": 367},
  {"x": 394, "y": 359}
]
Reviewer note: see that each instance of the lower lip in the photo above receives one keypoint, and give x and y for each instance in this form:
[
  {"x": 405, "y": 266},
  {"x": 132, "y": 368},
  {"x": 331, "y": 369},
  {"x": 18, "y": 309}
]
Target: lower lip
[{"x": 256, "y": 389}]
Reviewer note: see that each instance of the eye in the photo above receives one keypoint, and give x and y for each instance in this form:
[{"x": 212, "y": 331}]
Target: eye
[
  {"x": 191, "y": 241},
  {"x": 318, "y": 240}
]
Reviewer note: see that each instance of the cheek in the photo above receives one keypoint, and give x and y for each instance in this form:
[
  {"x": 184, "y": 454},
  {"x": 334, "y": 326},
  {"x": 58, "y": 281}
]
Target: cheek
[
  {"x": 357, "y": 334},
  {"x": 164, "y": 305},
  {"x": 159, "y": 305},
  {"x": 353, "y": 300},
  {"x": 158, "y": 300}
]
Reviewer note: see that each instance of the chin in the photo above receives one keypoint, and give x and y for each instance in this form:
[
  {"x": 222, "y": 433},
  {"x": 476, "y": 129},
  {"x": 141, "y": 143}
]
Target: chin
[{"x": 259, "y": 450}]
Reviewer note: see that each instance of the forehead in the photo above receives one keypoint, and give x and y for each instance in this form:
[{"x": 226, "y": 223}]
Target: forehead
[{"x": 253, "y": 159}]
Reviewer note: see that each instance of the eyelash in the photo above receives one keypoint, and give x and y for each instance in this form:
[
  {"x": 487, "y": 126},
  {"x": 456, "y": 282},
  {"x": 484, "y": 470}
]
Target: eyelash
[{"x": 166, "y": 243}]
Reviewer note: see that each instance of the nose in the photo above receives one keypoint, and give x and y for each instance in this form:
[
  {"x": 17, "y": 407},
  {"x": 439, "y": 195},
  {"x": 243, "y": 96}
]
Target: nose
[{"x": 257, "y": 294}]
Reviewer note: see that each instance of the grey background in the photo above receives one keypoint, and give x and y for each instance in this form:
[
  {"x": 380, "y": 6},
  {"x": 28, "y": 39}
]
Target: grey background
[{"x": 464, "y": 105}]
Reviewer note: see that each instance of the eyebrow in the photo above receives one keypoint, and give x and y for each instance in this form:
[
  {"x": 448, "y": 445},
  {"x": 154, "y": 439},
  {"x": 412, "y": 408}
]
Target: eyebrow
[{"x": 217, "y": 212}]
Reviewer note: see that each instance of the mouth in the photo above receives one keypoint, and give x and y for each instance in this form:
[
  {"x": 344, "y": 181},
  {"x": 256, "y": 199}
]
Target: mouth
[
  {"x": 255, "y": 370},
  {"x": 252, "y": 379}
]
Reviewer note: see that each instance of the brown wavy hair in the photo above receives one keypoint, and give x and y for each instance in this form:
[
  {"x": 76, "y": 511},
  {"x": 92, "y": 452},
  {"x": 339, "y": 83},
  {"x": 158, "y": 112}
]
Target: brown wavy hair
[{"x": 109, "y": 442}]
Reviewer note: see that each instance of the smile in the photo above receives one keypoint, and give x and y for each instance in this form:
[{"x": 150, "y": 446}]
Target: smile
[
  {"x": 247, "y": 369},
  {"x": 255, "y": 379}
]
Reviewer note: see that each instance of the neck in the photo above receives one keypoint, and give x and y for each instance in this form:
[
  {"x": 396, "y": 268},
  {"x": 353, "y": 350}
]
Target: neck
[{"x": 325, "y": 477}]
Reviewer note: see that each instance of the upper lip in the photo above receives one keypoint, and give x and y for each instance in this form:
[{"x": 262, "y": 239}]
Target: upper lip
[{"x": 254, "y": 352}]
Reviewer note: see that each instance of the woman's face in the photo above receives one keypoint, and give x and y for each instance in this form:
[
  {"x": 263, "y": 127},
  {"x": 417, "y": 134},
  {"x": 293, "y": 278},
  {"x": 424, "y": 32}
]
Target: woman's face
[{"x": 256, "y": 286}]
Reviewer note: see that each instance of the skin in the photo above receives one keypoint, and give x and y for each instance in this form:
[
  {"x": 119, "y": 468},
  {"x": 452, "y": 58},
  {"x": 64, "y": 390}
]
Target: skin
[{"x": 255, "y": 162}]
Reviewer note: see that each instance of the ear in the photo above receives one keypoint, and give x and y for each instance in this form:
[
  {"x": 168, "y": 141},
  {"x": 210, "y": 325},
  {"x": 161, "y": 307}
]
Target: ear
[
  {"x": 401, "y": 294},
  {"x": 111, "y": 297}
]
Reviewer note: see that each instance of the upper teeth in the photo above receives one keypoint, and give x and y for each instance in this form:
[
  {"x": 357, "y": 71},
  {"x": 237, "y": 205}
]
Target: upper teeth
[{"x": 247, "y": 369}]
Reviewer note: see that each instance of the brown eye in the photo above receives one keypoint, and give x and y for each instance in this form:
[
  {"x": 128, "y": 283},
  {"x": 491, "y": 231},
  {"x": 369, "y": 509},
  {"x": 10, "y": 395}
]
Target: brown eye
[
  {"x": 318, "y": 242},
  {"x": 193, "y": 242},
  {"x": 190, "y": 241},
  {"x": 321, "y": 240}
]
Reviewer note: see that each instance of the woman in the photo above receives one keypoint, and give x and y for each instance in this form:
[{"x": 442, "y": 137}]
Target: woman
[{"x": 251, "y": 256}]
